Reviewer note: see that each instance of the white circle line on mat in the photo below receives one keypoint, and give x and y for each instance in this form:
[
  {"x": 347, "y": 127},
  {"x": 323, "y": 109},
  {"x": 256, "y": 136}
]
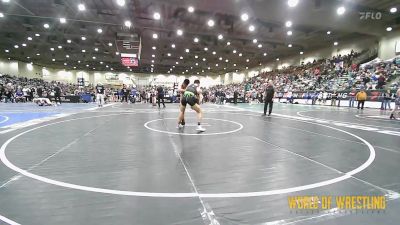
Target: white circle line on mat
[
  {"x": 345, "y": 176},
  {"x": 191, "y": 134}
]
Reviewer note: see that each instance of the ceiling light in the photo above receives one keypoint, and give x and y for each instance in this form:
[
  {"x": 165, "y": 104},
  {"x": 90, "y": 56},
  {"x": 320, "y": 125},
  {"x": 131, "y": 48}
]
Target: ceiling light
[
  {"x": 177, "y": 63},
  {"x": 29, "y": 39},
  {"x": 99, "y": 30},
  {"x": 204, "y": 59},
  {"x": 16, "y": 46},
  {"x": 265, "y": 54},
  {"x": 63, "y": 20},
  {"x": 259, "y": 46},
  {"x": 23, "y": 45},
  {"x": 101, "y": 63},
  {"x": 216, "y": 65},
  {"x": 110, "y": 44},
  {"x": 96, "y": 49},
  {"x": 389, "y": 29},
  {"x": 79, "y": 61},
  {"x": 121, "y": 2},
  {"x": 81, "y": 7},
  {"x": 153, "y": 56},
  {"x": 205, "y": 49},
  {"x": 328, "y": 32},
  {"x": 169, "y": 54},
  {"x": 251, "y": 28},
  {"x": 1, "y": 15},
  {"x": 46, "y": 25},
  {"x": 240, "y": 54},
  {"x": 59, "y": 47},
  {"x": 94, "y": 57},
  {"x": 83, "y": 38},
  {"x": 214, "y": 53},
  {"x": 117, "y": 53},
  {"x": 220, "y": 37},
  {"x": 191, "y": 9},
  {"x": 247, "y": 60},
  {"x": 293, "y": 3},
  {"x": 38, "y": 54},
  {"x": 244, "y": 17},
  {"x": 247, "y": 67},
  {"x": 179, "y": 32},
  {"x": 234, "y": 64},
  {"x": 289, "y": 45},
  {"x": 289, "y": 33},
  {"x": 196, "y": 40},
  {"x": 220, "y": 58},
  {"x": 152, "y": 61},
  {"x": 53, "y": 60},
  {"x": 152, "y": 65},
  {"x": 69, "y": 41},
  {"x": 83, "y": 50},
  {"x": 180, "y": 57},
  {"x": 301, "y": 53},
  {"x": 37, "y": 35},
  {"x": 128, "y": 23},
  {"x": 277, "y": 59},
  {"x": 393, "y": 10},
  {"x": 255, "y": 41},
  {"x": 173, "y": 46},
  {"x": 335, "y": 43},
  {"x": 65, "y": 64},
  {"x": 197, "y": 64},
  {"x": 288, "y": 23},
  {"x": 226, "y": 60},
  {"x": 228, "y": 43},
  {"x": 341, "y": 10},
  {"x": 234, "y": 51},
  {"x": 155, "y": 36},
  {"x": 154, "y": 47},
  {"x": 67, "y": 56},
  {"x": 187, "y": 50},
  {"x": 196, "y": 56},
  {"x": 156, "y": 16},
  {"x": 7, "y": 50},
  {"x": 210, "y": 23}
]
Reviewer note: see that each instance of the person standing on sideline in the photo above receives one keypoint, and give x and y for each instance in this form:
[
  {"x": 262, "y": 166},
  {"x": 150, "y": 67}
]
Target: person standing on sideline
[
  {"x": 334, "y": 97},
  {"x": 235, "y": 96},
  {"x": 160, "y": 96},
  {"x": 387, "y": 98},
  {"x": 57, "y": 94},
  {"x": 361, "y": 97},
  {"x": 100, "y": 94},
  {"x": 124, "y": 93},
  {"x": 269, "y": 98},
  {"x": 352, "y": 98},
  {"x": 397, "y": 105}
]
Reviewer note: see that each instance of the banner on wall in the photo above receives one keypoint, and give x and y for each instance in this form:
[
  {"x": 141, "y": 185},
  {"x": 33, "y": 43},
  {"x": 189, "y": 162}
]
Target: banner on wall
[
  {"x": 81, "y": 81},
  {"x": 343, "y": 95}
]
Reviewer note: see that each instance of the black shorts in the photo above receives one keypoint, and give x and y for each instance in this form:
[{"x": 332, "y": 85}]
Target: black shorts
[{"x": 191, "y": 100}]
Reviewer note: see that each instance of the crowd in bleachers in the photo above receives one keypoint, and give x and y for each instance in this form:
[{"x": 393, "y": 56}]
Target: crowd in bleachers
[
  {"x": 22, "y": 89},
  {"x": 336, "y": 74},
  {"x": 320, "y": 76}
]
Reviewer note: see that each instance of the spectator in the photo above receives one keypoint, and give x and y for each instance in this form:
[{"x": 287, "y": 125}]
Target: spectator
[{"x": 361, "y": 97}]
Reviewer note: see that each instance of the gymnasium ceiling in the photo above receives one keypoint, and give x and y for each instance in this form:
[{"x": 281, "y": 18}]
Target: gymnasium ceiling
[{"x": 311, "y": 20}]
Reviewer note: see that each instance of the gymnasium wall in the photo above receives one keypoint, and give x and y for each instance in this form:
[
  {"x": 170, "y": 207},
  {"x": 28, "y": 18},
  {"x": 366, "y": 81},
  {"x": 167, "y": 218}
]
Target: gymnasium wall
[{"x": 387, "y": 46}]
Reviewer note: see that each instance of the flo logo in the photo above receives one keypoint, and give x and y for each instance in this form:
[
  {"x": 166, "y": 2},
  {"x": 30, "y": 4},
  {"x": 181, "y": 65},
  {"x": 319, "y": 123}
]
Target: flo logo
[{"x": 370, "y": 15}]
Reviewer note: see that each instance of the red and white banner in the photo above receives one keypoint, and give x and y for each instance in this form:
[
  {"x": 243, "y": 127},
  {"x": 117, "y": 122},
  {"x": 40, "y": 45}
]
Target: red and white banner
[{"x": 130, "y": 61}]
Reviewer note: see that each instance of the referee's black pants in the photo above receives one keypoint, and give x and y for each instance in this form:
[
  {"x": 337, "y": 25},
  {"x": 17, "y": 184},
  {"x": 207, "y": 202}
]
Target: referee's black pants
[
  {"x": 160, "y": 98},
  {"x": 266, "y": 104}
]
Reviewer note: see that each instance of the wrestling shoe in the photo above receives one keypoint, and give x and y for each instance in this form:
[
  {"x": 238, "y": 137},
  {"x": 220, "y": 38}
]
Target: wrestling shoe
[{"x": 200, "y": 128}]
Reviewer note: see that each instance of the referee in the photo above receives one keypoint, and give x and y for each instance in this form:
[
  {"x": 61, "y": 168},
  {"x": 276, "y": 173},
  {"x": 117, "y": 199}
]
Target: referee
[{"x": 269, "y": 96}]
